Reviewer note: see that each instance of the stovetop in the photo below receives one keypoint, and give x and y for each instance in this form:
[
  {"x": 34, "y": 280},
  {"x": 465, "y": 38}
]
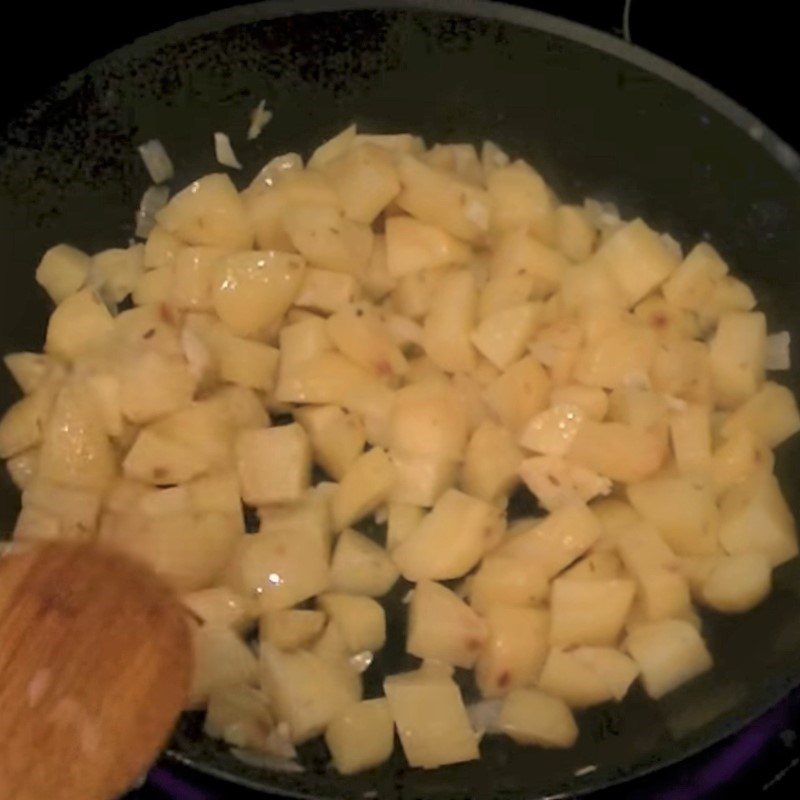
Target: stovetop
[{"x": 744, "y": 52}]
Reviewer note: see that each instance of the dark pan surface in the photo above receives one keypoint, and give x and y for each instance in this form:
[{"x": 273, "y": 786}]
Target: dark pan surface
[{"x": 596, "y": 116}]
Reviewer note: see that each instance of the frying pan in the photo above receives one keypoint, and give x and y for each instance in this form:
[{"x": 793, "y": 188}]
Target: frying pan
[{"x": 596, "y": 116}]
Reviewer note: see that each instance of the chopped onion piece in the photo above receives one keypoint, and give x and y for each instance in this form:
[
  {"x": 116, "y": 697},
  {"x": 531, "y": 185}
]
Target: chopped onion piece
[
  {"x": 198, "y": 359},
  {"x": 153, "y": 200},
  {"x": 260, "y": 117},
  {"x": 484, "y": 716},
  {"x": 407, "y": 597},
  {"x": 478, "y": 214},
  {"x": 253, "y": 758},
  {"x": 156, "y": 160},
  {"x": 360, "y": 662},
  {"x": 778, "y": 356},
  {"x": 224, "y": 151}
]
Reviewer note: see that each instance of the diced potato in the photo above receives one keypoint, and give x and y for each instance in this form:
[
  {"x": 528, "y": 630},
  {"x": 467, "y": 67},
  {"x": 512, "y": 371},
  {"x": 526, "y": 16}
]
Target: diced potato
[
  {"x": 557, "y": 483},
  {"x": 665, "y": 320},
  {"x": 421, "y": 480},
  {"x": 310, "y": 517},
  {"x": 771, "y": 414},
  {"x": 590, "y": 288},
  {"x": 618, "y": 451},
  {"x": 75, "y": 449},
  {"x": 503, "y": 292},
  {"x": 359, "y": 334},
  {"x": 531, "y": 717},
  {"x": 366, "y": 485},
  {"x": 683, "y": 510},
  {"x": 442, "y": 627},
  {"x": 690, "y": 431},
  {"x": 301, "y": 342},
  {"x": 361, "y": 619},
  {"x": 615, "y": 669},
  {"x": 79, "y": 324},
  {"x": 402, "y": 520},
  {"x": 518, "y": 393},
  {"x": 614, "y": 515},
  {"x": 736, "y": 356},
  {"x": 599, "y": 565},
  {"x": 292, "y": 628},
  {"x": 453, "y": 310},
  {"x": 160, "y": 249},
  {"x": 625, "y": 351},
  {"x": 413, "y": 294},
  {"x": 360, "y": 566},
  {"x": 221, "y": 658},
  {"x": 669, "y": 653},
  {"x": 449, "y": 541},
  {"x": 551, "y": 431},
  {"x": 35, "y": 525},
  {"x": 326, "y": 291},
  {"x": 118, "y": 271},
  {"x": 514, "y": 651},
  {"x": 427, "y": 420},
  {"x": 22, "y": 467},
  {"x": 680, "y": 368},
  {"x": 555, "y": 542},
  {"x": 153, "y": 385},
  {"x": 279, "y": 567},
  {"x": 438, "y": 198},
  {"x": 307, "y": 691},
  {"x": 241, "y": 716},
  {"x": 728, "y": 295},
  {"x": 241, "y": 407},
  {"x": 337, "y": 438},
  {"x": 431, "y": 720},
  {"x": 365, "y": 179},
  {"x": 518, "y": 254},
  {"x": 502, "y": 337},
  {"x": 325, "y": 378},
  {"x": 274, "y": 464},
  {"x": 74, "y": 507},
  {"x": 737, "y": 458},
  {"x": 506, "y": 581},
  {"x": 22, "y": 425},
  {"x": 193, "y": 277},
  {"x": 245, "y": 362},
  {"x": 29, "y": 370},
  {"x": 589, "y": 612},
  {"x": 208, "y": 212},
  {"x": 575, "y": 235},
  {"x": 154, "y": 287},
  {"x": 638, "y": 259},
  {"x": 754, "y": 517},
  {"x": 253, "y": 290},
  {"x": 491, "y": 462},
  {"x": 519, "y": 198},
  {"x": 738, "y": 583},
  {"x": 691, "y": 285},
  {"x": 221, "y": 606},
  {"x": 412, "y": 246},
  {"x": 63, "y": 271},
  {"x": 565, "y": 676},
  {"x": 361, "y": 736}
]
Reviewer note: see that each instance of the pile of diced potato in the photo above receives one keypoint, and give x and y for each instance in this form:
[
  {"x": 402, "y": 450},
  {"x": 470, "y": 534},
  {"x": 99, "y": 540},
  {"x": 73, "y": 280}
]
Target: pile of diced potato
[{"x": 434, "y": 330}]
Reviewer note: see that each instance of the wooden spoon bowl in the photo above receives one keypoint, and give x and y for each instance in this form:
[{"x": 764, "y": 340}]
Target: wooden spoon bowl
[{"x": 95, "y": 663}]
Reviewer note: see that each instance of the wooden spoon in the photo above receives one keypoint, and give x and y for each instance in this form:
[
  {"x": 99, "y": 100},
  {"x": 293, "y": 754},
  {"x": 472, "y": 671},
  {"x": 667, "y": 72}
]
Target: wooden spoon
[{"x": 95, "y": 661}]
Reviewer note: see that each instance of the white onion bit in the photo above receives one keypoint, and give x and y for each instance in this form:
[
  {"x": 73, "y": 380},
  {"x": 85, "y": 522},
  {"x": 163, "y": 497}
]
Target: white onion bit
[
  {"x": 778, "y": 356},
  {"x": 153, "y": 200},
  {"x": 253, "y": 758},
  {"x": 224, "y": 151},
  {"x": 484, "y": 716},
  {"x": 360, "y": 662},
  {"x": 156, "y": 161},
  {"x": 260, "y": 117}
]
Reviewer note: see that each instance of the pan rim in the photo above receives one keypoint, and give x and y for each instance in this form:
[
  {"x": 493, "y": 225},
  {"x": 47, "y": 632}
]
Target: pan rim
[{"x": 761, "y": 134}]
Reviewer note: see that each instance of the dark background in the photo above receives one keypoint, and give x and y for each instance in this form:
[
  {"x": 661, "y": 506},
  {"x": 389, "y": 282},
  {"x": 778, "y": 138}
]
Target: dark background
[{"x": 748, "y": 52}]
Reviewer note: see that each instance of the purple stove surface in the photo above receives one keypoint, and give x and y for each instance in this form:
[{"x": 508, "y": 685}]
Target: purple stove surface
[{"x": 763, "y": 760}]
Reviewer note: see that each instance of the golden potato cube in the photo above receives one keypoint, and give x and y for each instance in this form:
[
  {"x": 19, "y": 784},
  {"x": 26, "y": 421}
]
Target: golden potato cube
[
  {"x": 412, "y": 246},
  {"x": 514, "y": 651},
  {"x": 279, "y": 567},
  {"x": 307, "y": 691},
  {"x": 241, "y": 406},
  {"x": 519, "y": 198},
  {"x": 241, "y": 716},
  {"x": 221, "y": 658},
  {"x": 591, "y": 400},
  {"x": 63, "y": 271},
  {"x": 361, "y": 619},
  {"x": 737, "y": 458},
  {"x": 442, "y": 627},
  {"x": 326, "y": 291},
  {"x": 208, "y": 212},
  {"x": 567, "y": 677},
  {"x": 154, "y": 287},
  {"x": 589, "y": 612},
  {"x": 22, "y": 467},
  {"x": 402, "y": 520},
  {"x": 575, "y": 234},
  {"x": 327, "y": 378},
  {"x": 503, "y": 292},
  {"x": 366, "y": 485},
  {"x": 23, "y": 423},
  {"x": 503, "y": 336},
  {"x": 291, "y": 628},
  {"x": 518, "y": 254},
  {"x": 681, "y": 369},
  {"x": 274, "y": 464},
  {"x": 599, "y": 565},
  {"x": 161, "y": 249},
  {"x": 754, "y": 517},
  {"x": 615, "y": 669},
  {"x": 337, "y": 438},
  {"x": 119, "y": 271},
  {"x": 300, "y": 342},
  {"x": 431, "y": 719},
  {"x": 253, "y": 290},
  {"x": 332, "y": 148},
  {"x": 29, "y": 370},
  {"x": 245, "y": 362},
  {"x": 771, "y": 414},
  {"x": 518, "y": 393},
  {"x": 365, "y": 179},
  {"x": 153, "y": 385},
  {"x": 220, "y": 605},
  {"x": 625, "y": 351},
  {"x": 736, "y": 356},
  {"x": 35, "y": 525},
  {"x": 74, "y": 507},
  {"x": 491, "y": 463},
  {"x": 669, "y": 653},
  {"x": 447, "y": 329},
  {"x": 412, "y": 294},
  {"x": 532, "y": 717},
  {"x": 506, "y": 581},
  {"x": 193, "y": 277},
  {"x": 557, "y": 483},
  {"x": 690, "y": 431},
  {"x": 421, "y": 480},
  {"x": 441, "y": 199},
  {"x": 449, "y": 541},
  {"x": 361, "y": 736},
  {"x": 691, "y": 285},
  {"x": 737, "y": 583},
  {"x": 360, "y": 566},
  {"x": 79, "y": 324},
  {"x": 556, "y": 541},
  {"x": 684, "y": 511}
]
